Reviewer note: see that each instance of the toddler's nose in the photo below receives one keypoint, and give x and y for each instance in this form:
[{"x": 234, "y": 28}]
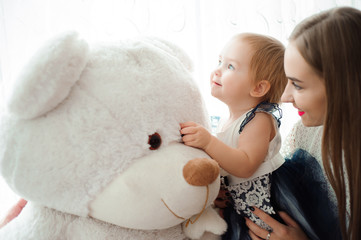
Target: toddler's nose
[
  {"x": 217, "y": 71},
  {"x": 201, "y": 171}
]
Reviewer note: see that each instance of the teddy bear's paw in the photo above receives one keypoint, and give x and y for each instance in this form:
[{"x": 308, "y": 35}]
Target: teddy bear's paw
[
  {"x": 209, "y": 221},
  {"x": 210, "y": 236}
]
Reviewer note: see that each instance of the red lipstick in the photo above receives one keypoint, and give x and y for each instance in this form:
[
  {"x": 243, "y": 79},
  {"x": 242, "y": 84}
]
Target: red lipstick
[{"x": 300, "y": 113}]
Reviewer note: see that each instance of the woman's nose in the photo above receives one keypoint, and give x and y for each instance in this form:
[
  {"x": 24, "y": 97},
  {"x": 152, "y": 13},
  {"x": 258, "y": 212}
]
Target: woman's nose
[
  {"x": 287, "y": 94},
  {"x": 201, "y": 171}
]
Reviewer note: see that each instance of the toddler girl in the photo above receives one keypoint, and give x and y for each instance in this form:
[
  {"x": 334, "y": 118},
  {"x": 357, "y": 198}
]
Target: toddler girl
[{"x": 250, "y": 80}]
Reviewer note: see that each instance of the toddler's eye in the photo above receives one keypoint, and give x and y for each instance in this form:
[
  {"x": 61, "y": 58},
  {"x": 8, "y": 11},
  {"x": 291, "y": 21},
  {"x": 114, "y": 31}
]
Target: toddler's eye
[
  {"x": 219, "y": 62},
  {"x": 230, "y": 66},
  {"x": 154, "y": 141}
]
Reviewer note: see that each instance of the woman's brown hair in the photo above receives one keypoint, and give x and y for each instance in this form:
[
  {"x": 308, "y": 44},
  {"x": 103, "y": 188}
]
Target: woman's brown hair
[{"x": 331, "y": 44}]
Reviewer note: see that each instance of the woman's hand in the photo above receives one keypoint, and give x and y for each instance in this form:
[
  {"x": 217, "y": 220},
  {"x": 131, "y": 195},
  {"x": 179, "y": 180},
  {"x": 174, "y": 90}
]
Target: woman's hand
[
  {"x": 223, "y": 200},
  {"x": 280, "y": 231},
  {"x": 13, "y": 212}
]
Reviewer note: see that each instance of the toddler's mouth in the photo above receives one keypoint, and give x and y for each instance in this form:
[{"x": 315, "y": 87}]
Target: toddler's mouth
[{"x": 217, "y": 84}]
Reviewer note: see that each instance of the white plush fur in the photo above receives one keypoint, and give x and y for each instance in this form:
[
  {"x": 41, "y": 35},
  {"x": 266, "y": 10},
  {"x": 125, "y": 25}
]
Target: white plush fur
[
  {"x": 74, "y": 143},
  {"x": 42, "y": 223}
]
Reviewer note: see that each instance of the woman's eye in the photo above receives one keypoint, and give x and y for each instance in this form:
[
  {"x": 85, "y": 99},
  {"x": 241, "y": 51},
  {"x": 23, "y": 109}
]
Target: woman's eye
[
  {"x": 154, "y": 141},
  {"x": 297, "y": 87},
  {"x": 230, "y": 66}
]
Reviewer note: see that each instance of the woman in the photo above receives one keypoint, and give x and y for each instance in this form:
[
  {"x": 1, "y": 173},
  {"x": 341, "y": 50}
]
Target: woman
[{"x": 323, "y": 64}]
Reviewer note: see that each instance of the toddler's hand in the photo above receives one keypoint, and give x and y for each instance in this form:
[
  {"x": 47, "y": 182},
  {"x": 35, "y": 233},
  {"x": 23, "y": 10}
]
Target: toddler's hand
[{"x": 195, "y": 135}]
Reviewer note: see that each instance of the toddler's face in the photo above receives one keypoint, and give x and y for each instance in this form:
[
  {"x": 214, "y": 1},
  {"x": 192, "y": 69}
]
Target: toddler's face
[
  {"x": 305, "y": 89},
  {"x": 230, "y": 81}
]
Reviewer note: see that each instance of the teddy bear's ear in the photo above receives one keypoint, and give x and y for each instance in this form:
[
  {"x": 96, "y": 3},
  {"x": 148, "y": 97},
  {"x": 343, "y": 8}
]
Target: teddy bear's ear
[
  {"x": 48, "y": 77},
  {"x": 173, "y": 50}
]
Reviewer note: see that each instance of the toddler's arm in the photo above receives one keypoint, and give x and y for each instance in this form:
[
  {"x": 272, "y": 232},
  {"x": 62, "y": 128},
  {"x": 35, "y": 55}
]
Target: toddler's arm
[{"x": 252, "y": 147}]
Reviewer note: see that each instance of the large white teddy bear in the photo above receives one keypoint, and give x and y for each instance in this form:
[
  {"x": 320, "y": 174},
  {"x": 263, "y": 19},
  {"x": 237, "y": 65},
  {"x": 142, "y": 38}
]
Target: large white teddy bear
[{"x": 91, "y": 139}]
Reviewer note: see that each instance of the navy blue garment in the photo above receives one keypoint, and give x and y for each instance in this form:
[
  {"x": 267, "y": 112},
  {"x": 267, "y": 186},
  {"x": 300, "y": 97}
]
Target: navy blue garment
[
  {"x": 236, "y": 224},
  {"x": 300, "y": 188}
]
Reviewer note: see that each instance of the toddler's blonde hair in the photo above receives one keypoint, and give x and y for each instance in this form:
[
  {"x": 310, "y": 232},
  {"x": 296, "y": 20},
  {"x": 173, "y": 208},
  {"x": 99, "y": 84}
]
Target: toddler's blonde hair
[{"x": 267, "y": 63}]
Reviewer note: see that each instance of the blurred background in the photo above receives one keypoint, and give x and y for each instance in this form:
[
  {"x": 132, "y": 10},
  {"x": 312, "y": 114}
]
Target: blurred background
[{"x": 200, "y": 27}]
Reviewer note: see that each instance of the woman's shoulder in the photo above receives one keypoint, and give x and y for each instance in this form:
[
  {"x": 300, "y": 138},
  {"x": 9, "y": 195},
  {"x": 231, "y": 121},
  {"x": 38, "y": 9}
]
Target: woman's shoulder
[{"x": 307, "y": 138}]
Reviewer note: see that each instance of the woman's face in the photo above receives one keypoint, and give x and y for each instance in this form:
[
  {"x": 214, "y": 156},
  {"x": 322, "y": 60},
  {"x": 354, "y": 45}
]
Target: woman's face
[{"x": 305, "y": 89}]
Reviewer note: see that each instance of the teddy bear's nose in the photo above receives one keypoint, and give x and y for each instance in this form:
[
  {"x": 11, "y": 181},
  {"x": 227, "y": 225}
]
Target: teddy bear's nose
[{"x": 201, "y": 171}]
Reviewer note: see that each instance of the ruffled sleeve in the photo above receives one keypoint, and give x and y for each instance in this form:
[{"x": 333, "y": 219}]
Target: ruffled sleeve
[{"x": 272, "y": 108}]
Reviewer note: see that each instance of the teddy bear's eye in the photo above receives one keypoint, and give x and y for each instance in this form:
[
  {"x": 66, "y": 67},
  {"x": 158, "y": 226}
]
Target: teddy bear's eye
[{"x": 154, "y": 141}]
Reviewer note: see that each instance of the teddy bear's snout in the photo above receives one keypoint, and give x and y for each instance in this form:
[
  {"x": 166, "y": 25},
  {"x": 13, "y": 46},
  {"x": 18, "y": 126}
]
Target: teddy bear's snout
[{"x": 201, "y": 171}]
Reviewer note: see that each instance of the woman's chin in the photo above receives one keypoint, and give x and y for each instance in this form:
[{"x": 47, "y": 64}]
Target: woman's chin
[{"x": 308, "y": 123}]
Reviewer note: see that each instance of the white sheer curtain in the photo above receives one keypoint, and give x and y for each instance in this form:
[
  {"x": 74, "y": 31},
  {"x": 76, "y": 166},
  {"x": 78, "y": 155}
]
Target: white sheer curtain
[{"x": 201, "y": 27}]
